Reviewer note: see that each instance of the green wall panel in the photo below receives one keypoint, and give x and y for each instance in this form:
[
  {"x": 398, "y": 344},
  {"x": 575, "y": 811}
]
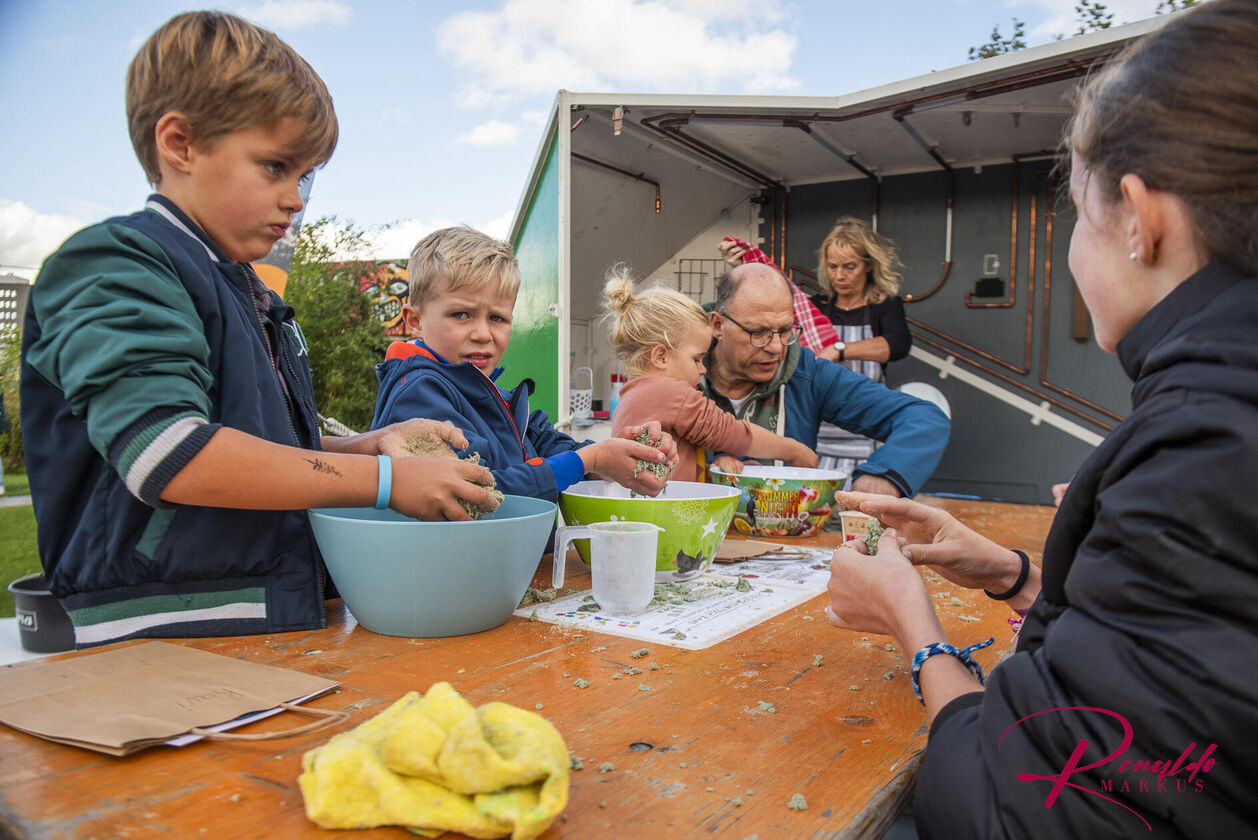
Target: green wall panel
[{"x": 534, "y": 349}]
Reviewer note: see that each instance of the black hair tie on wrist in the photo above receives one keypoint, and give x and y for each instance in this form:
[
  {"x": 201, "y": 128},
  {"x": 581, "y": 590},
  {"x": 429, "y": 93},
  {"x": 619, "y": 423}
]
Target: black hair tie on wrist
[{"x": 1017, "y": 584}]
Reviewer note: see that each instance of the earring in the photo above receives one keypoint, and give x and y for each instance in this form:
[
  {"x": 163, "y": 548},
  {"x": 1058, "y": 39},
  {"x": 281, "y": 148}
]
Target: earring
[{"x": 1133, "y": 256}]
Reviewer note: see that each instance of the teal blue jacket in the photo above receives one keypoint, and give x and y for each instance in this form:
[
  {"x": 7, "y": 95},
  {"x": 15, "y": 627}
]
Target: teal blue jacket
[
  {"x": 527, "y": 455},
  {"x": 914, "y": 432}
]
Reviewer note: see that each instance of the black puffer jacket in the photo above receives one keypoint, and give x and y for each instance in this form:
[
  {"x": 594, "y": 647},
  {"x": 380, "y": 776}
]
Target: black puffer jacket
[{"x": 1149, "y": 614}]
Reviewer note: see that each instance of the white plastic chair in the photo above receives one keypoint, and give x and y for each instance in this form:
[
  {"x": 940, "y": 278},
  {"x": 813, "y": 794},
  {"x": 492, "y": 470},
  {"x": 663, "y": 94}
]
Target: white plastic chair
[{"x": 928, "y": 392}]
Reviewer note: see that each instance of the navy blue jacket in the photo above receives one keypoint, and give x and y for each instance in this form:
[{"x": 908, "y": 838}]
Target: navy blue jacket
[
  {"x": 138, "y": 329},
  {"x": 527, "y": 456}
]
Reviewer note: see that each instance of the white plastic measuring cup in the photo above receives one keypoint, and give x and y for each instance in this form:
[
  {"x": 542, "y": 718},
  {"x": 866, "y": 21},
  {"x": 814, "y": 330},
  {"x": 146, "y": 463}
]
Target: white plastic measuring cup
[{"x": 622, "y": 562}]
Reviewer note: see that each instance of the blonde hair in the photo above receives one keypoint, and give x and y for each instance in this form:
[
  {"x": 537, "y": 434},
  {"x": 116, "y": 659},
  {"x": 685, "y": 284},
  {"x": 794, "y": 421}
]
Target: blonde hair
[
  {"x": 224, "y": 74},
  {"x": 457, "y": 257},
  {"x": 641, "y": 322},
  {"x": 877, "y": 252}
]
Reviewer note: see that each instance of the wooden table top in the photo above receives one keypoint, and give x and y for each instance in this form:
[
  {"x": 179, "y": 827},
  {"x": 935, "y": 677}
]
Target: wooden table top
[{"x": 695, "y": 753}]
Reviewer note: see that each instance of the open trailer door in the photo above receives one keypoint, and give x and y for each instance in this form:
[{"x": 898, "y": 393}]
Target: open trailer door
[
  {"x": 539, "y": 228},
  {"x": 955, "y": 166}
]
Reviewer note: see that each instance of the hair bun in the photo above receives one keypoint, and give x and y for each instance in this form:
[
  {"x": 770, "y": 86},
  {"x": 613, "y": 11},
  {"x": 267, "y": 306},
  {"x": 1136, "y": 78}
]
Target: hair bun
[{"x": 618, "y": 288}]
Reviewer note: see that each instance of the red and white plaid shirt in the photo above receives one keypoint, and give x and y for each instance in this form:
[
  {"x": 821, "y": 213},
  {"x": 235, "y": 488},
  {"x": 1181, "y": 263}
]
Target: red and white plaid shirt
[{"x": 817, "y": 333}]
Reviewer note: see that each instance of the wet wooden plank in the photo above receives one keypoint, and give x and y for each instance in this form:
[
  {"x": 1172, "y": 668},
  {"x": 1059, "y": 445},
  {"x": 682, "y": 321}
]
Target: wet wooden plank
[{"x": 691, "y": 749}]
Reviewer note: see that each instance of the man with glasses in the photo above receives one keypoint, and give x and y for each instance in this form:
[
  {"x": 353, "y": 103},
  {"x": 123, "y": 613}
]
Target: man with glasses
[{"x": 758, "y": 372}]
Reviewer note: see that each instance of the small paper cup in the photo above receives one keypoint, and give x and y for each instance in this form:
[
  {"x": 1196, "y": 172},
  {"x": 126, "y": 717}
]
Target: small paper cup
[{"x": 855, "y": 524}]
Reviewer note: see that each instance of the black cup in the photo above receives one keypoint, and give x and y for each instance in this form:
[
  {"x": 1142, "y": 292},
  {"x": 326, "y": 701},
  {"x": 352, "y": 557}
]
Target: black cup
[{"x": 42, "y": 621}]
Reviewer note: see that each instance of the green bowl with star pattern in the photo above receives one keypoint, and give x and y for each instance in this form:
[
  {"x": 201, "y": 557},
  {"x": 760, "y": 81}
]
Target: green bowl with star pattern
[{"x": 693, "y": 517}]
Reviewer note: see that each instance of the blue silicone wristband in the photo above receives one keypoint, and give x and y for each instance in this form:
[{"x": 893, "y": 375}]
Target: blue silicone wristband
[{"x": 384, "y": 481}]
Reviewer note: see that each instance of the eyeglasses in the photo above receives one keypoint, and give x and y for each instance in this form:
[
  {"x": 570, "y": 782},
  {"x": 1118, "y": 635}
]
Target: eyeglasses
[{"x": 763, "y": 338}]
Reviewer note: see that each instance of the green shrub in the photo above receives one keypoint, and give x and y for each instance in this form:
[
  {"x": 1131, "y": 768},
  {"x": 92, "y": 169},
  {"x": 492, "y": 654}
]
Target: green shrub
[
  {"x": 341, "y": 323},
  {"x": 10, "y": 408},
  {"x": 18, "y": 553}
]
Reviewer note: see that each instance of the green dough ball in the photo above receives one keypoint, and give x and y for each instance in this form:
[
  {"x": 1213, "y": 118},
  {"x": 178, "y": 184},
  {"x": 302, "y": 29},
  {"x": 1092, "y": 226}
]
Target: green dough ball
[{"x": 872, "y": 534}]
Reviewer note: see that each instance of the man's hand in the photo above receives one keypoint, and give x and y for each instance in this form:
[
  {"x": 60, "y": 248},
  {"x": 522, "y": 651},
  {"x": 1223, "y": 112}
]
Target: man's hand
[
  {"x": 1059, "y": 493},
  {"x": 875, "y": 484},
  {"x": 728, "y": 464}
]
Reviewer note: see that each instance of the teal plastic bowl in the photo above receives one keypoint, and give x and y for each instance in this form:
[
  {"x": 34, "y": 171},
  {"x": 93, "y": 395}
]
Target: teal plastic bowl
[{"x": 403, "y": 577}]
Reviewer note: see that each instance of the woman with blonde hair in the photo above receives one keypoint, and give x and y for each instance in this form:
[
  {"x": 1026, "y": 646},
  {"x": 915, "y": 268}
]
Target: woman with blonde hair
[
  {"x": 861, "y": 300},
  {"x": 660, "y": 337},
  {"x": 1129, "y": 706}
]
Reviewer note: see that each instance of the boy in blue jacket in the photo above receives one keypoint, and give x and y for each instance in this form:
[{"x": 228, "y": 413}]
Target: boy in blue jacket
[
  {"x": 463, "y": 286},
  {"x": 171, "y": 435}
]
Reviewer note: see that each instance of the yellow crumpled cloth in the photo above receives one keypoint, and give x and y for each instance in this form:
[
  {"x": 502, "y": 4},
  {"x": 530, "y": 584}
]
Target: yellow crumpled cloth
[{"x": 436, "y": 763}]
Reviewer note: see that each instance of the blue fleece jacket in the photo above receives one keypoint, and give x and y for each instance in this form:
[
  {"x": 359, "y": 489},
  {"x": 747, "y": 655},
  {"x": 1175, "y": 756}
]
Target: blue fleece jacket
[{"x": 527, "y": 456}]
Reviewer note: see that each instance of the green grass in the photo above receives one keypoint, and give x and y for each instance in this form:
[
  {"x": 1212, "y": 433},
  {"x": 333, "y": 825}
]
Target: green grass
[
  {"x": 15, "y": 484},
  {"x": 18, "y": 554}
]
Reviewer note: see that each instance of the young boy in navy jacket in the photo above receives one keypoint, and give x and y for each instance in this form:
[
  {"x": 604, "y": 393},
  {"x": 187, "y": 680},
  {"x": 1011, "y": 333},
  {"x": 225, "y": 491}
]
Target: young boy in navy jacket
[
  {"x": 463, "y": 286},
  {"x": 171, "y": 435}
]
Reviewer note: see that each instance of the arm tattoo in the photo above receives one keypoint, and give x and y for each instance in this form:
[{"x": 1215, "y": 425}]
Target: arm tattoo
[{"x": 322, "y": 466}]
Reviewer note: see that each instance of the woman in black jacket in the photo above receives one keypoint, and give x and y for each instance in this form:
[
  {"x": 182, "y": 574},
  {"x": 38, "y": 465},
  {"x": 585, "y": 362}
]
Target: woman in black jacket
[
  {"x": 1130, "y": 706},
  {"x": 861, "y": 300}
]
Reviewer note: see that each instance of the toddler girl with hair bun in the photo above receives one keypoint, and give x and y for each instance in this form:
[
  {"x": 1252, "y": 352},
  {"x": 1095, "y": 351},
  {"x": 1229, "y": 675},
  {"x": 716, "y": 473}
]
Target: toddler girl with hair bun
[{"x": 661, "y": 337}]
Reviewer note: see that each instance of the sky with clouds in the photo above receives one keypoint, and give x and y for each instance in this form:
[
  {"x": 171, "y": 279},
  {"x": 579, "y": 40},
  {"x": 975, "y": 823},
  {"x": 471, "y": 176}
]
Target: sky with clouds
[{"x": 441, "y": 105}]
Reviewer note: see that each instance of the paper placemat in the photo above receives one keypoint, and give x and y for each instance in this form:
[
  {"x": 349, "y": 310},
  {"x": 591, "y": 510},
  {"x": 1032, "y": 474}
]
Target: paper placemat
[{"x": 719, "y": 607}]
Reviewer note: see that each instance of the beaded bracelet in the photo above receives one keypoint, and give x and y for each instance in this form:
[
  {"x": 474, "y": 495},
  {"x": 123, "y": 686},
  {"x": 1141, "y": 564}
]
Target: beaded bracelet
[
  {"x": 933, "y": 648},
  {"x": 1017, "y": 584},
  {"x": 384, "y": 481}
]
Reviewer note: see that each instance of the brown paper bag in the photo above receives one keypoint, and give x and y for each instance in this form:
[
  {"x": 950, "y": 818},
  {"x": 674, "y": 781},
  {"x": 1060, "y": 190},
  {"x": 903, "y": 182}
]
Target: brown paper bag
[{"x": 124, "y": 700}]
